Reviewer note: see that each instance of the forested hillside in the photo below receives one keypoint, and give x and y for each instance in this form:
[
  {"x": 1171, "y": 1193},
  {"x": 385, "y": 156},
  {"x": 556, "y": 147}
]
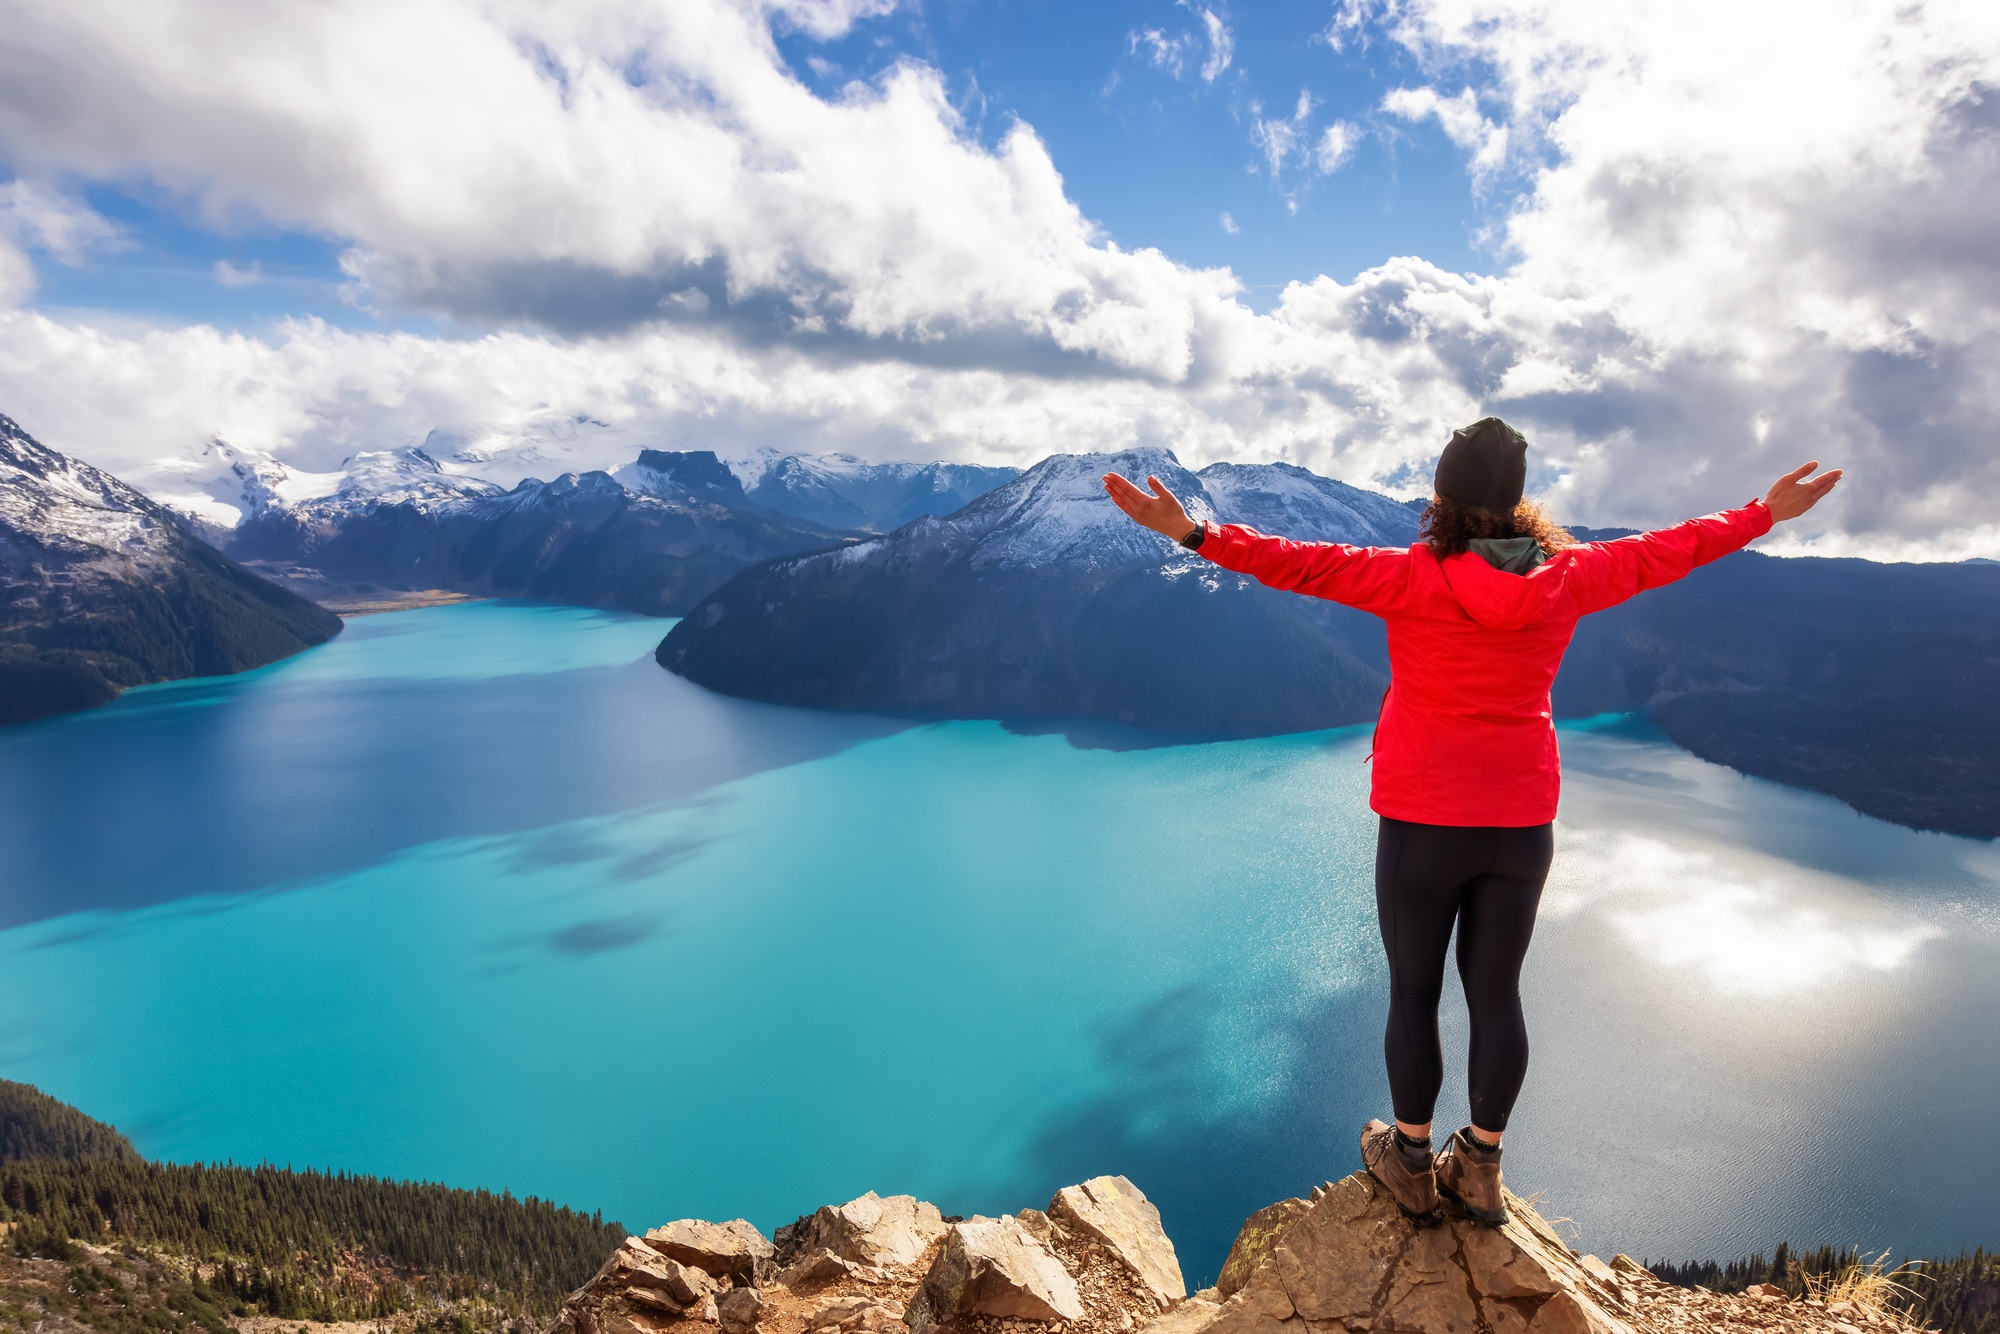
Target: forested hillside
[
  {"x": 34, "y": 1125},
  {"x": 198, "y": 1243}
]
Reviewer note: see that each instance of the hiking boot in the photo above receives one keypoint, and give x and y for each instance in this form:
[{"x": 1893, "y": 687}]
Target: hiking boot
[
  {"x": 1469, "y": 1173},
  {"x": 1414, "y": 1188}
]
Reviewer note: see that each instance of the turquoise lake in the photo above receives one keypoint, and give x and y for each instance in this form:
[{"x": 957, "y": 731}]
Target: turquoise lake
[{"x": 479, "y": 894}]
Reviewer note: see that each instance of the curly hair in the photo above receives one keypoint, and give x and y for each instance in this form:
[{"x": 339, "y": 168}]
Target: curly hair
[{"x": 1448, "y": 526}]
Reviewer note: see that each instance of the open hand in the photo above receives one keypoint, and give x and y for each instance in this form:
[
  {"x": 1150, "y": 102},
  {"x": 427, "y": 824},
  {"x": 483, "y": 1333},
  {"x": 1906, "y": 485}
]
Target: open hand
[
  {"x": 1160, "y": 511},
  {"x": 1791, "y": 495}
]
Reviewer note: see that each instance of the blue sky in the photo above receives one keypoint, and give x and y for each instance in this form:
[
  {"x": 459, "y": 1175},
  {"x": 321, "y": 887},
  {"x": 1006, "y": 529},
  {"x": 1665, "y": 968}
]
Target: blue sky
[
  {"x": 1683, "y": 246},
  {"x": 1158, "y": 158}
]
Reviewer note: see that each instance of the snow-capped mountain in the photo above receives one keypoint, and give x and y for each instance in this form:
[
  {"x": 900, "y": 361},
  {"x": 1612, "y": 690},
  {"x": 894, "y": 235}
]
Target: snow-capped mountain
[
  {"x": 1284, "y": 498},
  {"x": 401, "y": 522},
  {"x": 404, "y": 477},
  {"x": 842, "y": 491},
  {"x": 694, "y": 472},
  {"x": 1041, "y": 599},
  {"x": 102, "y": 588}
]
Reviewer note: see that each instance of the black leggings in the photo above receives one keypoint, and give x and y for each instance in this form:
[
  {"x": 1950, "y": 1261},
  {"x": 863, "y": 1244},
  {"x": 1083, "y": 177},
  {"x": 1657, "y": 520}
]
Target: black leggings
[{"x": 1488, "y": 880}]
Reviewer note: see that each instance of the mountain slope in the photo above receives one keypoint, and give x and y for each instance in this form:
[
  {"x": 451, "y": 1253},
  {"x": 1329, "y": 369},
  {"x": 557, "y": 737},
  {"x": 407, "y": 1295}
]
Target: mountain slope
[
  {"x": 1032, "y": 602},
  {"x": 34, "y": 1125},
  {"x": 101, "y": 589},
  {"x": 400, "y": 522}
]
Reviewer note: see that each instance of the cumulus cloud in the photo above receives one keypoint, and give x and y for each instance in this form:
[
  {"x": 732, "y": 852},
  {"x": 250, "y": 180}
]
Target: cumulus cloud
[{"x": 1722, "y": 256}]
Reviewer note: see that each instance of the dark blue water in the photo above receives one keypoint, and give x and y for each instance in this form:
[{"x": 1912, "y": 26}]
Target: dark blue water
[{"x": 480, "y": 894}]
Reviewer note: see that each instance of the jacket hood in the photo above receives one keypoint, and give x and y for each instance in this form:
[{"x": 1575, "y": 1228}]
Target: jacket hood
[{"x": 1502, "y": 601}]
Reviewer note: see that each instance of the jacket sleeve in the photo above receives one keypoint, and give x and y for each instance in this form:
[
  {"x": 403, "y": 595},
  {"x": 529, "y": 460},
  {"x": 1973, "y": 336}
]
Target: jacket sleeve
[
  {"x": 1373, "y": 579},
  {"x": 1604, "y": 574}
]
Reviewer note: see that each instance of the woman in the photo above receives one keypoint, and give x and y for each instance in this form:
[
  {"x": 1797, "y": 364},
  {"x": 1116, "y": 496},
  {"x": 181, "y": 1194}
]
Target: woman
[{"x": 1466, "y": 770}]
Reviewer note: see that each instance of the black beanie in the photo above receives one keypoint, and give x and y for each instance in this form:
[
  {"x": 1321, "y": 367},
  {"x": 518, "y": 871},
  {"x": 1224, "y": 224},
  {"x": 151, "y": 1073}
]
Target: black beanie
[{"x": 1485, "y": 465}]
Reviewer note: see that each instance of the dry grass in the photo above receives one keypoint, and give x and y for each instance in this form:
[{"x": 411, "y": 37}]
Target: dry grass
[{"x": 1864, "y": 1283}]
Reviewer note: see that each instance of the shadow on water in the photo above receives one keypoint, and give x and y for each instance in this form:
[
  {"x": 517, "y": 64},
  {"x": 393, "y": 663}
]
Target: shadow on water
[
  {"x": 1178, "y": 1126},
  {"x": 170, "y": 795}
]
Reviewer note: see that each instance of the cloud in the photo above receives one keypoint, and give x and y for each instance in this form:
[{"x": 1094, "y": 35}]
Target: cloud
[
  {"x": 1221, "y": 46},
  {"x": 34, "y": 217},
  {"x": 1159, "y": 50},
  {"x": 1229, "y": 224},
  {"x": 229, "y": 275},
  {"x": 1460, "y": 119},
  {"x": 636, "y": 214},
  {"x": 1336, "y": 145},
  {"x": 828, "y": 19},
  {"x": 1280, "y": 138},
  {"x": 1173, "y": 52}
]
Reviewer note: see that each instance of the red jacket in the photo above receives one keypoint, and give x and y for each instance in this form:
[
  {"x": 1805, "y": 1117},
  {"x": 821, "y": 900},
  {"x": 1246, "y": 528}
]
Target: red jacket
[{"x": 1466, "y": 736}]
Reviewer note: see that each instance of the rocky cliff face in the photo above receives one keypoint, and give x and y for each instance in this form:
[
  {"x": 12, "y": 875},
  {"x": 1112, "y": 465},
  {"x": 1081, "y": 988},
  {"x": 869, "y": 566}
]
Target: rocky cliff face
[
  {"x": 102, "y": 589},
  {"x": 1097, "y": 1261}
]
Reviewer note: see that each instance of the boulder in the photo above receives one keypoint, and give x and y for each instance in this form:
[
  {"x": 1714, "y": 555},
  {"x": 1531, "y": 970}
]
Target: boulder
[
  {"x": 1117, "y": 1214},
  {"x": 666, "y": 1285},
  {"x": 872, "y": 1230},
  {"x": 994, "y": 1267},
  {"x": 739, "y": 1310},
  {"x": 816, "y": 1266},
  {"x": 726, "y": 1250},
  {"x": 1347, "y": 1260}
]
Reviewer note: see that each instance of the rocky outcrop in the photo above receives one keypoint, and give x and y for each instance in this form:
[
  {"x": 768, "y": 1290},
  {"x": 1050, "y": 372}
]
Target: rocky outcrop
[
  {"x": 868, "y": 1232},
  {"x": 1114, "y": 1212},
  {"x": 1097, "y": 1261},
  {"x": 732, "y": 1250},
  {"x": 996, "y": 1267},
  {"x": 1347, "y": 1259}
]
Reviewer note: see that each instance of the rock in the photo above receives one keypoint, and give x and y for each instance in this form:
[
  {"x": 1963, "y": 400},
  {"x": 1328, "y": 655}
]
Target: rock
[
  {"x": 638, "y": 1268},
  {"x": 814, "y": 1267},
  {"x": 835, "y": 1313},
  {"x": 872, "y": 1230},
  {"x": 1260, "y": 1230},
  {"x": 1117, "y": 1214},
  {"x": 1347, "y": 1260},
  {"x": 1193, "y": 1314},
  {"x": 1629, "y": 1267},
  {"x": 739, "y": 1309},
  {"x": 856, "y": 1315},
  {"x": 727, "y": 1250},
  {"x": 1768, "y": 1290},
  {"x": 994, "y": 1267},
  {"x": 1037, "y": 1222},
  {"x": 631, "y": 1322}
]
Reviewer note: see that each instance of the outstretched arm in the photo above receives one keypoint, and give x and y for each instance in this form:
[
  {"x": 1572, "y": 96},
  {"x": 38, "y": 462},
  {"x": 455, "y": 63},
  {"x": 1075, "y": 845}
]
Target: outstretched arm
[
  {"x": 1371, "y": 578},
  {"x": 1604, "y": 574}
]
